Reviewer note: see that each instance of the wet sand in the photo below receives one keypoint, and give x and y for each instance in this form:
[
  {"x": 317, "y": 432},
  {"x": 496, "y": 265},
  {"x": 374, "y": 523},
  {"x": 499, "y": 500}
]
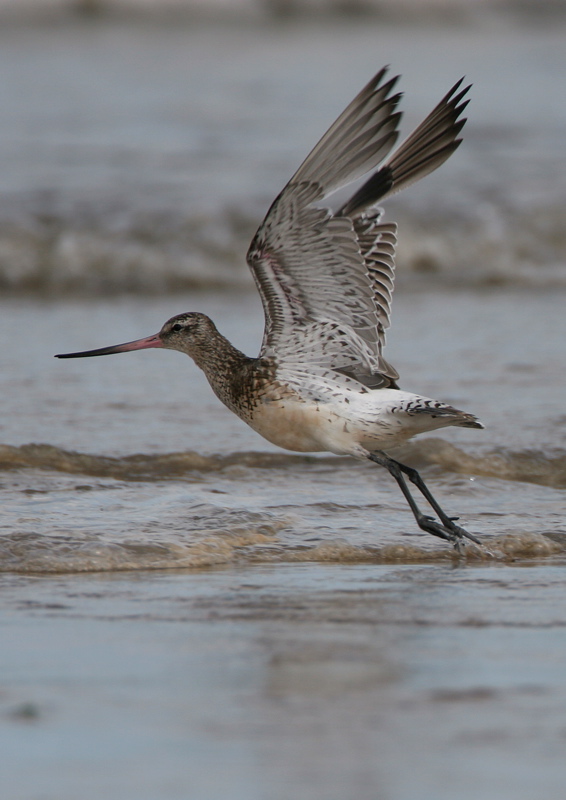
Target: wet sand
[{"x": 321, "y": 682}]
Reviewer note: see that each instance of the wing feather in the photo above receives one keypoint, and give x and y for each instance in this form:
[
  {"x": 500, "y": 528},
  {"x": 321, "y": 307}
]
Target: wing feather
[
  {"x": 333, "y": 162},
  {"x": 326, "y": 280},
  {"x": 426, "y": 149}
]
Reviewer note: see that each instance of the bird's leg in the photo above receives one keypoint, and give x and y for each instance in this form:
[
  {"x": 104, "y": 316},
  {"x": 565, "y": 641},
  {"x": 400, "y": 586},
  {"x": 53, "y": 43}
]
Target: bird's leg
[
  {"x": 448, "y": 529},
  {"x": 448, "y": 522}
]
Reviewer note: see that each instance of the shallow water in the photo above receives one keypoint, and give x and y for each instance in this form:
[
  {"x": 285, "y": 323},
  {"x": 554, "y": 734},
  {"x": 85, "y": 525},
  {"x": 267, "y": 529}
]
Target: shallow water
[
  {"x": 139, "y": 157},
  {"x": 311, "y": 681},
  {"x": 314, "y": 643},
  {"x": 135, "y": 464}
]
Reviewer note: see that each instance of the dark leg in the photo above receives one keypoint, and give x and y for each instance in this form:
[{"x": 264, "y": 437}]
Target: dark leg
[{"x": 448, "y": 529}]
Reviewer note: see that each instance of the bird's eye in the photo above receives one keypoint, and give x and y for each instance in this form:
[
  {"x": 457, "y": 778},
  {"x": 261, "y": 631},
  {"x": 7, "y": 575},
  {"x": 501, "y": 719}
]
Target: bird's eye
[{"x": 177, "y": 327}]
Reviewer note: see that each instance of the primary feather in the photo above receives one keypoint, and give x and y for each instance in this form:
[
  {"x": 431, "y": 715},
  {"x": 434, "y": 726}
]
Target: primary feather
[{"x": 325, "y": 278}]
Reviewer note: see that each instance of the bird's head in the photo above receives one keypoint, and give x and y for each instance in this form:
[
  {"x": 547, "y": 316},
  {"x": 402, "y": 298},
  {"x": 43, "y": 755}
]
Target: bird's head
[{"x": 189, "y": 333}]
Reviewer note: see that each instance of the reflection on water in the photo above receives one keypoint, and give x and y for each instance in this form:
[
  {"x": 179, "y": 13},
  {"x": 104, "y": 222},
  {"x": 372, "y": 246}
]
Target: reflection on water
[{"x": 315, "y": 681}]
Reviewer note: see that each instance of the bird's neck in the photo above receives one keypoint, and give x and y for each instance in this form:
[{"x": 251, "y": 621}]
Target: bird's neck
[{"x": 222, "y": 363}]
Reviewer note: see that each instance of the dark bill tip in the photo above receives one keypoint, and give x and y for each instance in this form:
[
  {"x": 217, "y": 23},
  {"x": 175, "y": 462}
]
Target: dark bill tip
[{"x": 139, "y": 344}]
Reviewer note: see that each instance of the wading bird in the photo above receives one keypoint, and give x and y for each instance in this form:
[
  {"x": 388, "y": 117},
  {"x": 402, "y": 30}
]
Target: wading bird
[{"x": 320, "y": 382}]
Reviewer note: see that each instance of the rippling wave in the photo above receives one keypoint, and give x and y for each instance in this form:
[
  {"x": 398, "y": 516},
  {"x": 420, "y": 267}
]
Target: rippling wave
[
  {"x": 179, "y": 519},
  {"x": 532, "y": 466},
  {"x": 152, "y": 255},
  {"x": 38, "y": 554},
  {"x": 135, "y": 467},
  {"x": 210, "y": 539}
]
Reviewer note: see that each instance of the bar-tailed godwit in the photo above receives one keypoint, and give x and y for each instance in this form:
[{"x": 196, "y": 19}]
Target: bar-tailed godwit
[{"x": 320, "y": 382}]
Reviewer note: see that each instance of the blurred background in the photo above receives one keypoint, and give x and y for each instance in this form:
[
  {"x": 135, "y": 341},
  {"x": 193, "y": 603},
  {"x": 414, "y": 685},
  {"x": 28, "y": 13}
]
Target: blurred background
[{"x": 141, "y": 141}]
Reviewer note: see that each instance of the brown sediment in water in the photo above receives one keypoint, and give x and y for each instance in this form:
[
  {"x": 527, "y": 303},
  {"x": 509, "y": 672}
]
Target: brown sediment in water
[
  {"x": 139, "y": 466},
  {"x": 254, "y": 543},
  {"x": 500, "y": 548},
  {"x": 530, "y": 466}
]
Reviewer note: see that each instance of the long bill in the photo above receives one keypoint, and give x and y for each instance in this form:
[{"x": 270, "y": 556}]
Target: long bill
[{"x": 139, "y": 344}]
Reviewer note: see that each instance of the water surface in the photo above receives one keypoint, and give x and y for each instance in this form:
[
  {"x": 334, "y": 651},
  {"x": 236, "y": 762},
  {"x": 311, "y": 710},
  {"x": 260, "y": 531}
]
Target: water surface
[{"x": 177, "y": 594}]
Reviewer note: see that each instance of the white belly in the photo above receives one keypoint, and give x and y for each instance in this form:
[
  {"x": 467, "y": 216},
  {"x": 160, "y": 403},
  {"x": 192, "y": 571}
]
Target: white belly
[
  {"x": 290, "y": 424},
  {"x": 315, "y": 427},
  {"x": 370, "y": 421}
]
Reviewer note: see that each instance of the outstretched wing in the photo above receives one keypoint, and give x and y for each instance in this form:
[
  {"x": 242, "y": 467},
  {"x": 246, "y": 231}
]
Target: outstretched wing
[{"x": 326, "y": 279}]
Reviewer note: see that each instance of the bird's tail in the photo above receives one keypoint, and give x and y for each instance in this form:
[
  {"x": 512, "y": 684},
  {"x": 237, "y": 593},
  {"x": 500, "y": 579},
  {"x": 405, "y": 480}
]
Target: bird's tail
[{"x": 469, "y": 421}]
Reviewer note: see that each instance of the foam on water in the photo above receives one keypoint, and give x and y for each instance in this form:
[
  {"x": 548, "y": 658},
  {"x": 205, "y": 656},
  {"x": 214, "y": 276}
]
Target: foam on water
[
  {"x": 127, "y": 174},
  {"x": 37, "y": 553},
  {"x": 70, "y": 258},
  {"x": 185, "y": 510}
]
